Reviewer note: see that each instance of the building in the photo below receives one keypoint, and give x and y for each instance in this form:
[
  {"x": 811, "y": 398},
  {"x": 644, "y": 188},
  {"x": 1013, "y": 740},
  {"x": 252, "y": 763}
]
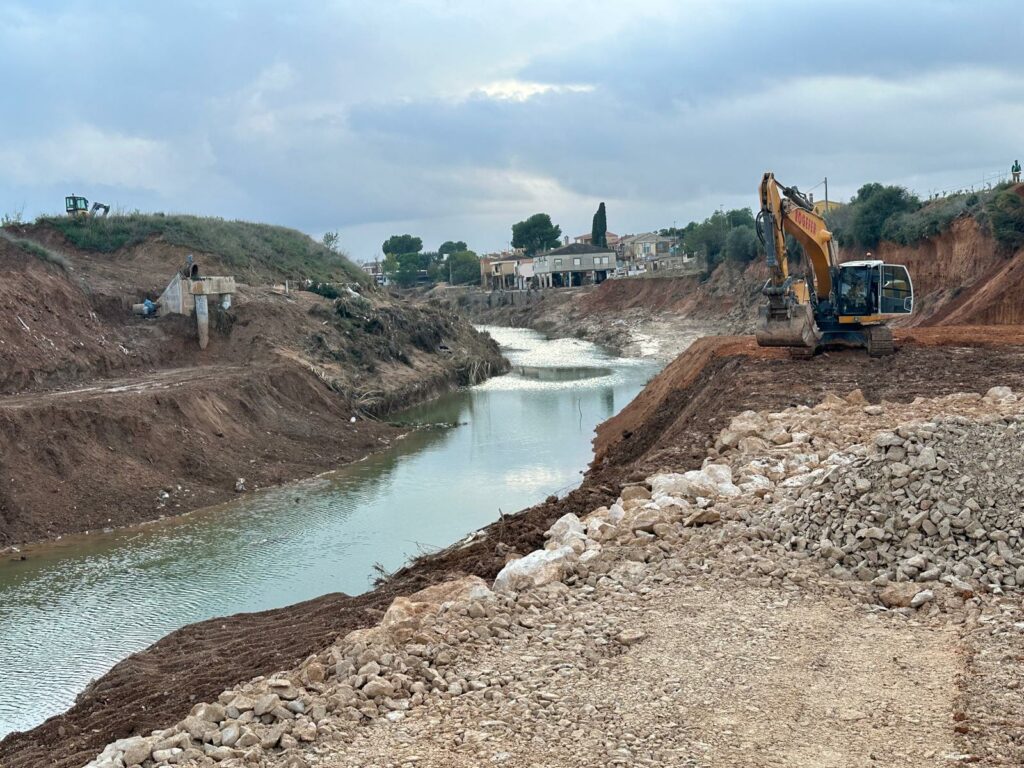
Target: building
[
  {"x": 572, "y": 265},
  {"x": 610, "y": 237},
  {"x": 498, "y": 272},
  {"x": 375, "y": 269},
  {"x": 525, "y": 274},
  {"x": 821, "y": 207},
  {"x": 634, "y": 249}
]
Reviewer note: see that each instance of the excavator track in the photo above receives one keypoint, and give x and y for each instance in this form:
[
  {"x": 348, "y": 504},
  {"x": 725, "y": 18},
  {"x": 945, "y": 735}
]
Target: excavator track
[{"x": 879, "y": 341}]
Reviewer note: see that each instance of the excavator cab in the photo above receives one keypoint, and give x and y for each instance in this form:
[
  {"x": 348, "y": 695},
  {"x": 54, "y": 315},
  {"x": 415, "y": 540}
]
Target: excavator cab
[
  {"x": 867, "y": 289},
  {"x": 76, "y": 205}
]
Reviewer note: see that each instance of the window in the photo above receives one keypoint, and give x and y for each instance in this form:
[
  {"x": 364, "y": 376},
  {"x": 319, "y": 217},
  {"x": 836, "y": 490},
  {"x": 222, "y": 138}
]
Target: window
[
  {"x": 897, "y": 297},
  {"x": 577, "y": 261},
  {"x": 558, "y": 262}
]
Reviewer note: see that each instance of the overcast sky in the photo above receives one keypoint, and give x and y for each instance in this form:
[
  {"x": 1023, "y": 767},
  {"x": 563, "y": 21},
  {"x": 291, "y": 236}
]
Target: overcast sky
[{"x": 453, "y": 120}]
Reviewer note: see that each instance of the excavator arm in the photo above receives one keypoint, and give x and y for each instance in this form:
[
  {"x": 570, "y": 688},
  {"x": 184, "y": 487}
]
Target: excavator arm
[{"x": 785, "y": 210}]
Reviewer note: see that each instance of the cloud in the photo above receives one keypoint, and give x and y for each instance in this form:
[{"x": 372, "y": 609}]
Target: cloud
[
  {"x": 453, "y": 119},
  {"x": 520, "y": 90}
]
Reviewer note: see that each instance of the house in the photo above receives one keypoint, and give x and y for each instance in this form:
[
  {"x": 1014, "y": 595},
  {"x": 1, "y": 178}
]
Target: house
[
  {"x": 821, "y": 207},
  {"x": 644, "y": 247},
  {"x": 525, "y": 274},
  {"x": 586, "y": 239},
  {"x": 375, "y": 269},
  {"x": 572, "y": 265},
  {"x": 498, "y": 272}
]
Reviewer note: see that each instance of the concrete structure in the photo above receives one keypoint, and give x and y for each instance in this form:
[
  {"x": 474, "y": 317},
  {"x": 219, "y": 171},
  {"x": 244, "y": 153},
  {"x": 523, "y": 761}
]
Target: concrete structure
[
  {"x": 187, "y": 292},
  {"x": 575, "y": 264},
  {"x": 678, "y": 263},
  {"x": 525, "y": 274}
]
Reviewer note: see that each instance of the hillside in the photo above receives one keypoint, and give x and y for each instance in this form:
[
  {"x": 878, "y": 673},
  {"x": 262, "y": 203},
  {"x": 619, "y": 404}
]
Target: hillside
[
  {"x": 253, "y": 252},
  {"x": 88, "y": 389}
]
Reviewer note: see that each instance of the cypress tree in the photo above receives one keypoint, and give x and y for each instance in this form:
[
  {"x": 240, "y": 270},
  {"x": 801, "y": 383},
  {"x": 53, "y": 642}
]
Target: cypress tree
[{"x": 599, "y": 229}]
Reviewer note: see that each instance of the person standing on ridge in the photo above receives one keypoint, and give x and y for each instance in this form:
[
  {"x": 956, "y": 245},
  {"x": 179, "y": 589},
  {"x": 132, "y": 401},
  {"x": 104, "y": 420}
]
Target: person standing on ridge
[{"x": 1015, "y": 170}]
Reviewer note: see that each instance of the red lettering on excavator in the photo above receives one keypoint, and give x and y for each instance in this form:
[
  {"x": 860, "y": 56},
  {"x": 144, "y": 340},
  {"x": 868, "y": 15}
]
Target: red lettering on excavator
[{"x": 805, "y": 221}]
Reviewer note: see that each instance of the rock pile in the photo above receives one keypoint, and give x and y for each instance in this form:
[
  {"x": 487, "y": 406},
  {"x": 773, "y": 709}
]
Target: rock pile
[{"x": 936, "y": 496}]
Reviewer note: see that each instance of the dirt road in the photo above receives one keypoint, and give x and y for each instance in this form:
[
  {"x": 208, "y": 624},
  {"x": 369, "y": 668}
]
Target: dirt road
[{"x": 725, "y": 674}]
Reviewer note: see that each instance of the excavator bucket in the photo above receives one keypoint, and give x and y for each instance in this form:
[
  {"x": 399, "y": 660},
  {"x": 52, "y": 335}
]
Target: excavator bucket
[{"x": 791, "y": 326}]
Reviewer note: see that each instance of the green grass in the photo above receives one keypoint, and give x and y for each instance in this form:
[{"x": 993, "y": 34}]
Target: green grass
[
  {"x": 40, "y": 252},
  {"x": 264, "y": 249}
]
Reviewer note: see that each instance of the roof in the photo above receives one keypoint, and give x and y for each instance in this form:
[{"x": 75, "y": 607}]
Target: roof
[
  {"x": 575, "y": 248},
  {"x": 591, "y": 234}
]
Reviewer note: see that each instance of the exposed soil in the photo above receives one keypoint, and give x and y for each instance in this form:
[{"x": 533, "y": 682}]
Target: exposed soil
[
  {"x": 670, "y": 424},
  {"x": 109, "y": 419}
]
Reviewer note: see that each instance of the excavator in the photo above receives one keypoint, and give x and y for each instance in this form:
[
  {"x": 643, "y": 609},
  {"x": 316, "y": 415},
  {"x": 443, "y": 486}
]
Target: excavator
[
  {"x": 78, "y": 207},
  {"x": 833, "y": 304}
]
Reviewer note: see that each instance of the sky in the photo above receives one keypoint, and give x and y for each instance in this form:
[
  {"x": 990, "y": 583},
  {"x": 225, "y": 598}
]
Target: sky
[{"x": 452, "y": 119}]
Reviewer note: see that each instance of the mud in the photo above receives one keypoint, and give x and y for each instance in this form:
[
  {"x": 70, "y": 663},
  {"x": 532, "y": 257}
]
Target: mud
[{"x": 671, "y": 423}]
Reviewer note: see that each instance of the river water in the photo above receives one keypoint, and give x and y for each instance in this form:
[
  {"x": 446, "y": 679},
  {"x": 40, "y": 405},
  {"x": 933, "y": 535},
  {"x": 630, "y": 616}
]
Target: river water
[{"x": 75, "y": 608}]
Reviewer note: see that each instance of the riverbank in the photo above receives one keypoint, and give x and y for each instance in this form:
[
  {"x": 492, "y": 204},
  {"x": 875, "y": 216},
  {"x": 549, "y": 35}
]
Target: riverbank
[
  {"x": 670, "y": 427},
  {"x": 108, "y": 419},
  {"x": 637, "y": 317}
]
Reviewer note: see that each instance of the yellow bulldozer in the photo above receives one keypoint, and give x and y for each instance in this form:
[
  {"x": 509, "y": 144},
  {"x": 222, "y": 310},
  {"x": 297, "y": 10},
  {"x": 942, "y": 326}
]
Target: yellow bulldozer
[
  {"x": 78, "y": 207},
  {"x": 832, "y": 304}
]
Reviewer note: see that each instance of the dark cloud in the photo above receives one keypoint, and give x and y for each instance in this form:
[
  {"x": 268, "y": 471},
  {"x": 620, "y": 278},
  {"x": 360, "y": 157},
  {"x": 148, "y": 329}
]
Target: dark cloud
[{"x": 454, "y": 119}]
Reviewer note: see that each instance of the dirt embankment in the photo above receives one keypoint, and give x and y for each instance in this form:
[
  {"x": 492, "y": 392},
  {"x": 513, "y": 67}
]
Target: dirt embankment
[
  {"x": 109, "y": 419},
  {"x": 670, "y": 425},
  {"x": 961, "y": 277},
  {"x": 625, "y": 314}
]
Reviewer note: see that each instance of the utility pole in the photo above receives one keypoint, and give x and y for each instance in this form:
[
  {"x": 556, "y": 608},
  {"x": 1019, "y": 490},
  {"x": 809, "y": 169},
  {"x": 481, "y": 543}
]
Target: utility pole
[{"x": 826, "y": 194}]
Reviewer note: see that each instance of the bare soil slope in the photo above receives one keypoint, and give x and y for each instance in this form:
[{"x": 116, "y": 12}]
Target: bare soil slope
[
  {"x": 108, "y": 419},
  {"x": 671, "y": 423}
]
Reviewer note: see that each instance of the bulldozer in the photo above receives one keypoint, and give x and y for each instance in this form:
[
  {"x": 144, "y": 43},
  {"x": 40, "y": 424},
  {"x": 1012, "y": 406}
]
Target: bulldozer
[
  {"x": 832, "y": 304},
  {"x": 78, "y": 207}
]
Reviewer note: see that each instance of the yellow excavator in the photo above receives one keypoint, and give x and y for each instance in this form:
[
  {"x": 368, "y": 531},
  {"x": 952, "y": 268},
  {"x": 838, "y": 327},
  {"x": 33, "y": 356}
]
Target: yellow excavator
[
  {"x": 78, "y": 207},
  {"x": 833, "y": 304}
]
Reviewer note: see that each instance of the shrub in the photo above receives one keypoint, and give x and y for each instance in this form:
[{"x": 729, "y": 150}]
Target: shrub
[
  {"x": 1005, "y": 214},
  {"x": 741, "y": 244}
]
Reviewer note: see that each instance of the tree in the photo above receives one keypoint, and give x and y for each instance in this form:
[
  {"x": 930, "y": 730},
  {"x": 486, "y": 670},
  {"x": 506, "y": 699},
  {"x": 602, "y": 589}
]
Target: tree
[
  {"x": 402, "y": 268},
  {"x": 599, "y": 229},
  {"x": 741, "y": 244},
  {"x": 449, "y": 247},
  {"x": 331, "y": 241},
  {"x": 740, "y": 217},
  {"x": 708, "y": 237},
  {"x": 536, "y": 233},
  {"x": 873, "y": 206},
  {"x": 465, "y": 267},
  {"x": 397, "y": 244}
]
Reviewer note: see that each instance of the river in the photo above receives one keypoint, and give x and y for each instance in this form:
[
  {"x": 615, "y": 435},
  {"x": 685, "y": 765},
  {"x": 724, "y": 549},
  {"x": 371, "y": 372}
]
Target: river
[{"x": 76, "y": 607}]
